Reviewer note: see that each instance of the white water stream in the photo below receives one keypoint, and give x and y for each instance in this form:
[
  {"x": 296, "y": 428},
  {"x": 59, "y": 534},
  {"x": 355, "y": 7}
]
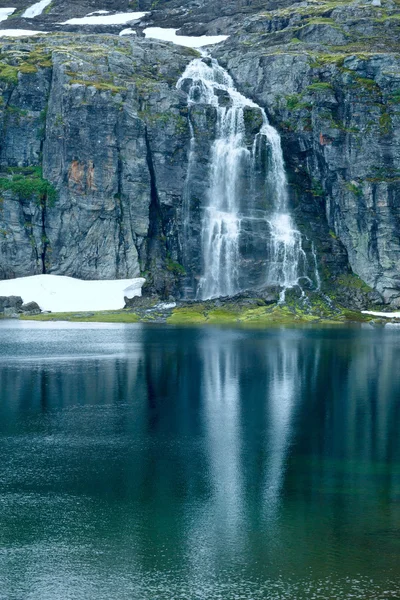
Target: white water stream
[{"x": 205, "y": 82}]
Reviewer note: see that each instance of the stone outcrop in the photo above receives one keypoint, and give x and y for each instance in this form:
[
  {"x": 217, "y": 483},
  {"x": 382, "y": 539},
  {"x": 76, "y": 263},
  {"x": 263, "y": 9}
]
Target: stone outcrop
[{"x": 13, "y": 306}]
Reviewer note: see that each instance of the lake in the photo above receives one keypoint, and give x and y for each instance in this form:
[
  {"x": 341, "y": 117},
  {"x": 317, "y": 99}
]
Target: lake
[{"x": 159, "y": 463}]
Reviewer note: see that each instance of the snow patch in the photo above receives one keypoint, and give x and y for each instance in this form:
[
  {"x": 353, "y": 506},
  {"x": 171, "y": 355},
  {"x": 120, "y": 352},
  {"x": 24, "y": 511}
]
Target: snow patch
[
  {"x": 118, "y": 19},
  {"x": 393, "y": 315},
  {"x": 98, "y": 12},
  {"x": 166, "y": 305},
  {"x": 57, "y": 293},
  {"x": 6, "y": 12},
  {"x": 19, "y": 32},
  {"x": 127, "y": 31},
  {"x": 36, "y": 9},
  {"x": 169, "y": 35}
]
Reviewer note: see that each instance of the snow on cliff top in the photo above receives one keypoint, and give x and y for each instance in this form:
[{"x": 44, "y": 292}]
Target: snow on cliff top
[
  {"x": 6, "y": 12},
  {"x": 19, "y": 32},
  {"x": 36, "y": 9},
  {"x": 169, "y": 35},
  {"x": 103, "y": 19},
  {"x": 57, "y": 293}
]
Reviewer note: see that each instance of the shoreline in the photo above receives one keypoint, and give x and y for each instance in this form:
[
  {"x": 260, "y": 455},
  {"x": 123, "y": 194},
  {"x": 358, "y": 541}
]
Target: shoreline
[{"x": 227, "y": 314}]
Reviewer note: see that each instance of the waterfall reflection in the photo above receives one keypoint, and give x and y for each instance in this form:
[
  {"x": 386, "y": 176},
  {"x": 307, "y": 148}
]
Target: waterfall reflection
[{"x": 285, "y": 388}]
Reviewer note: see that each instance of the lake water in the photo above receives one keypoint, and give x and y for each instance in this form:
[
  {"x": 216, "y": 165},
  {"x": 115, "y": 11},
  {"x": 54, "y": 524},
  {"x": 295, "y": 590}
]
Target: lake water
[{"x": 160, "y": 463}]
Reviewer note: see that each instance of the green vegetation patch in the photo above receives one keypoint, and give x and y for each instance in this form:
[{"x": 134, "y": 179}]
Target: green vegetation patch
[
  {"x": 121, "y": 316},
  {"x": 354, "y": 282},
  {"x": 8, "y": 73},
  {"x": 315, "y": 310},
  {"x": 174, "y": 267},
  {"x": 29, "y": 184},
  {"x": 102, "y": 86},
  {"x": 319, "y": 86}
]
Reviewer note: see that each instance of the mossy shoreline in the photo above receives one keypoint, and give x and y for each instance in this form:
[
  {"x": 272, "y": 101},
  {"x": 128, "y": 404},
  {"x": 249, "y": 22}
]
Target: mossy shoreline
[{"x": 229, "y": 314}]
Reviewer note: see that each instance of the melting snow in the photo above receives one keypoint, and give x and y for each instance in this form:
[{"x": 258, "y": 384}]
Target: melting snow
[
  {"x": 169, "y": 35},
  {"x": 36, "y": 9},
  {"x": 392, "y": 315},
  {"x": 98, "y": 12},
  {"x": 19, "y": 32},
  {"x": 127, "y": 31},
  {"x": 118, "y": 19},
  {"x": 6, "y": 12},
  {"x": 65, "y": 294}
]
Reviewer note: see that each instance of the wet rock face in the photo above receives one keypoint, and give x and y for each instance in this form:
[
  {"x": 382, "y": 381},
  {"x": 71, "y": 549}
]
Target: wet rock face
[
  {"x": 98, "y": 133},
  {"x": 336, "y": 105},
  {"x": 98, "y": 130}
]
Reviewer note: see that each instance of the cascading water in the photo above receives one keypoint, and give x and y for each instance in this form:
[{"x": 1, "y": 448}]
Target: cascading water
[{"x": 232, "y": 217}]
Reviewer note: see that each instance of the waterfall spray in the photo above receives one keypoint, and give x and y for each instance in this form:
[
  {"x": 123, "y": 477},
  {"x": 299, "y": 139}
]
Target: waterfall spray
[{"x": 225, "y": 212}]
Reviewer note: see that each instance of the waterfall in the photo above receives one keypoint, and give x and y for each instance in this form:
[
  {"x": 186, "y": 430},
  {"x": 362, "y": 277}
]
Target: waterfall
[{"x": 232, "y": 213}]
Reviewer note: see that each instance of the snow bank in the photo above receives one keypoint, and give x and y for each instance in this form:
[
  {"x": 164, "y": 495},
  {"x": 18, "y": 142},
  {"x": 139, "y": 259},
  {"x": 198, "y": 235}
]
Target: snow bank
[
  {"x": 65, "y": 294},
  {"x": 36, "y": 9},
  {"x": 393, "y": 315},
  {"x": 169, "y": 35},
  {"x": 118, "y": 19},
  {"x": 128, "y": 31},
  {"x": 98, "y": 12},
  {"x": 19, "y": 32},
  {"x": 6, "y": 12}
]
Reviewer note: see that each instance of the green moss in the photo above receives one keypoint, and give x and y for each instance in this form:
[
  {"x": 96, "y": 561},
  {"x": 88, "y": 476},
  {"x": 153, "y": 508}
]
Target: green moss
[
  {"x": 187, "y": 315},
  {"x": 174, "y": 267},
  {"x": 8, "y": 73},
  {"x": 352, "y": 281},
  {"x": 367, "y": 84},
  {"x": 353, "y": 188},
  {"x": 102, "y": 86},
  {"x": 293, "y": 102},
  {"x": 321, "y": 21},
  {"x": 28, "y": 184},
  {"x": 319, "y": 86},
  {"x": 122, "y": 316},
  {"x": 27, "y": 68},
  {"x": 395, "y": 97},
  {"x": 316, "y": 189},
  {"x": 385, "y": 123}
]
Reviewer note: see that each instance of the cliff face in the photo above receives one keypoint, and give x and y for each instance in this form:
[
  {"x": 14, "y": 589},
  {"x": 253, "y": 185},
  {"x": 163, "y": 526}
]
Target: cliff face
[
  {"x": 95, "y": 139},
  {"x": 329, "y": 76},
  {"x": 98, "y": 134}
]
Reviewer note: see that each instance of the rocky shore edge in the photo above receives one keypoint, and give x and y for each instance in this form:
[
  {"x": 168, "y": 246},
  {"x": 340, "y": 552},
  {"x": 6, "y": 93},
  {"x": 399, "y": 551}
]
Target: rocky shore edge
[{"x": 260, "y": 309}]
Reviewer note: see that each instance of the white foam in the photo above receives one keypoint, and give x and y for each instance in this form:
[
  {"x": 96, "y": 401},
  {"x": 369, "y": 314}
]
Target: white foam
[
  {"x": 169, "y": 35},
  {"x": 127, "y": 31},
  {"x": 117, "y": 19},
  {"x": 393, "y": 315},
  {"x": 57, "y": 293},
  {"x": 36, "y": 9},
  {"x": 6, "y": 12},
  {"x": 19, "y": 32}
]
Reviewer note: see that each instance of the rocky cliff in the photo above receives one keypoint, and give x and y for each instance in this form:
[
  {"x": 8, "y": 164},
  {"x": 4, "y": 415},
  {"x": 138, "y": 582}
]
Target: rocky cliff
[
  {"x": 93, "y": 155},
  {"x": 95, "y": 138}
]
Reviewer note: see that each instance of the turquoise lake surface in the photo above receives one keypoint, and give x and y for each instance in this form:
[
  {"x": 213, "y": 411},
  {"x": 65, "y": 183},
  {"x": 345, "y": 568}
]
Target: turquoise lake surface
[{"x": 159, "y": 463}]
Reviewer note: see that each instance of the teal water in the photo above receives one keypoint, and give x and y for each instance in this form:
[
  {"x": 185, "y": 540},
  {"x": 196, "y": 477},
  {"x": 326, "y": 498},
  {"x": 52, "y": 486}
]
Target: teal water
[{"x": 156, "y": 463}]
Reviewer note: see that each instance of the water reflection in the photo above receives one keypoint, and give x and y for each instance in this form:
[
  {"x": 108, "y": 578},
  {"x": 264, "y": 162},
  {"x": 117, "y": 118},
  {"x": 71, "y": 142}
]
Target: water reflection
[
  {"x": 198, "y": 462},
  {"x": 285, "y": 388}
]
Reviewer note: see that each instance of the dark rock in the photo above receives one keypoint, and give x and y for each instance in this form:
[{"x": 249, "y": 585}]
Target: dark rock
[
  {"x": 10, "y": 302},
  {"x": 31, "y": 308}
]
